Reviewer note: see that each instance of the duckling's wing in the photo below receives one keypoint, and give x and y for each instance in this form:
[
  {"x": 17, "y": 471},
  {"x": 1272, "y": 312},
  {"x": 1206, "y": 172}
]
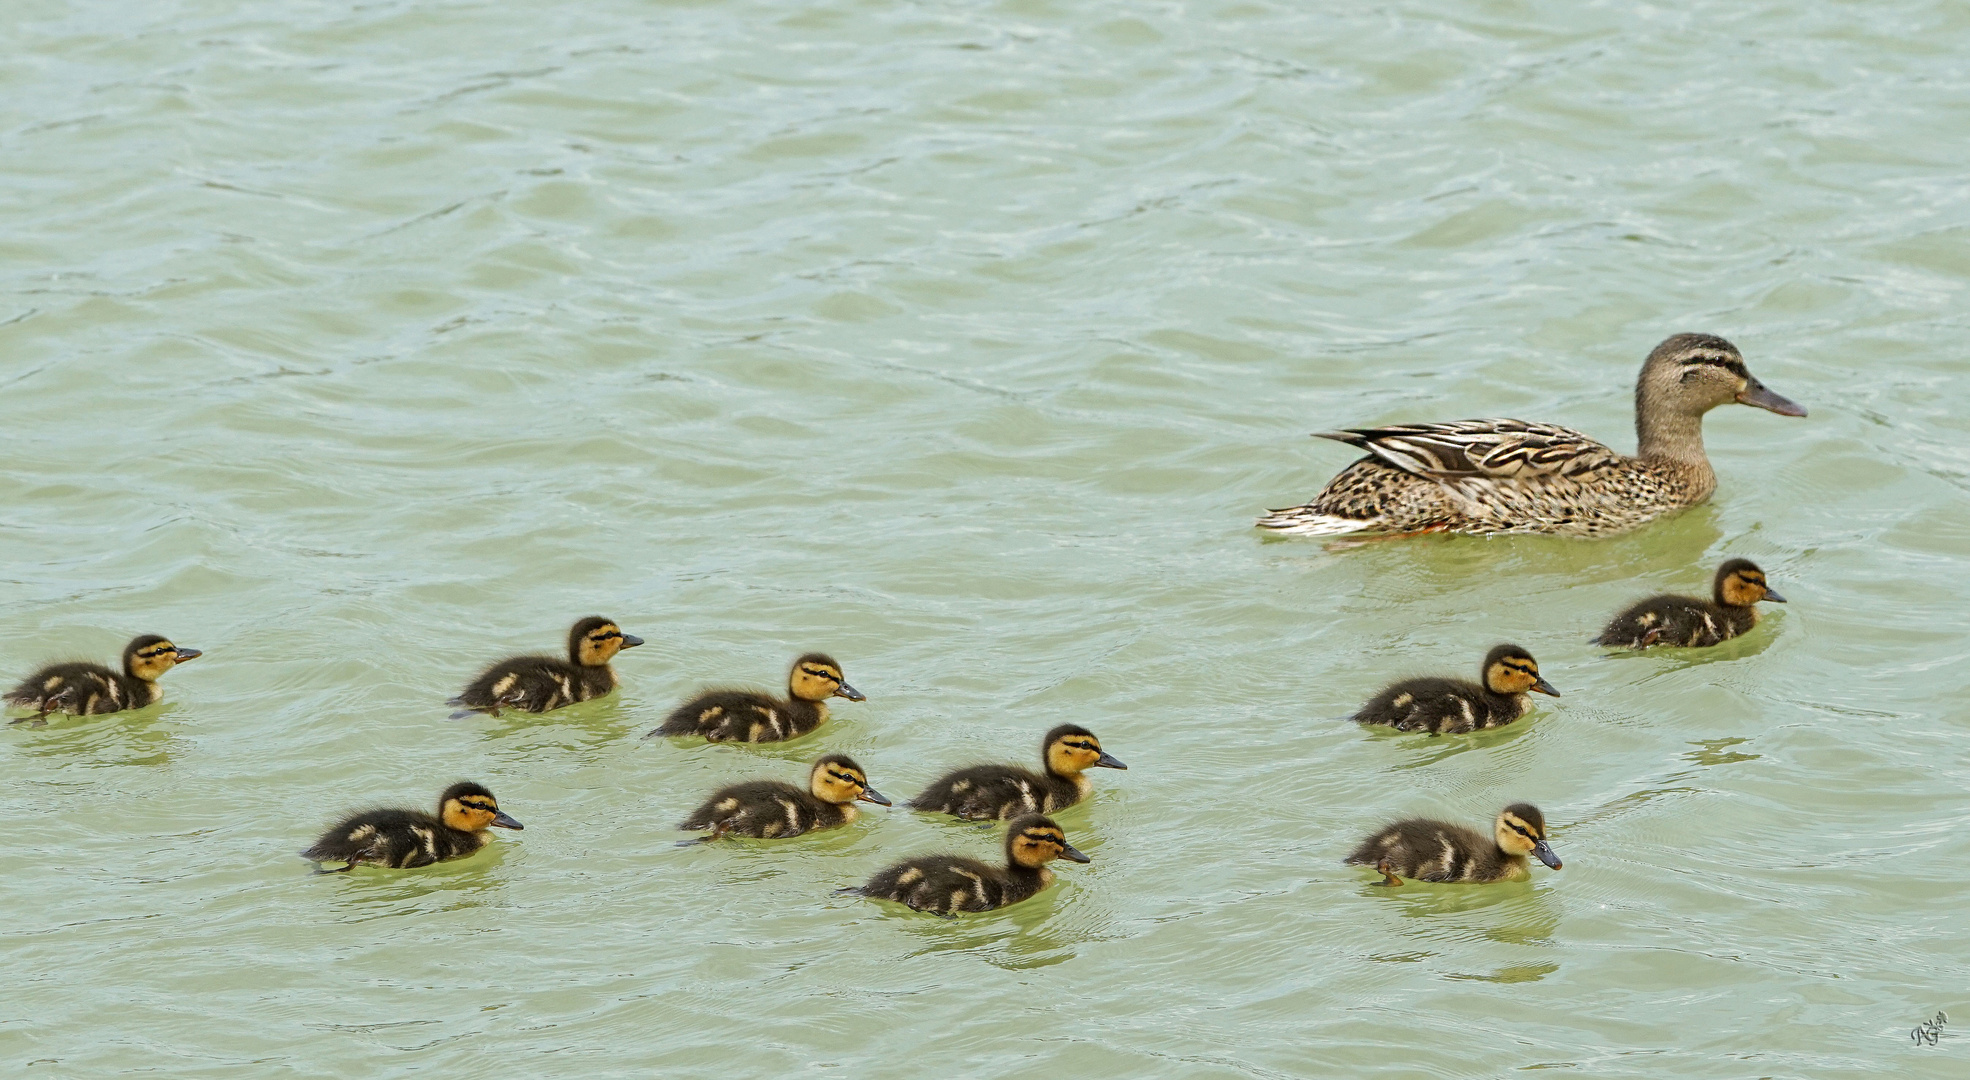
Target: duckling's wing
[{"x": 1491, "y": 449}]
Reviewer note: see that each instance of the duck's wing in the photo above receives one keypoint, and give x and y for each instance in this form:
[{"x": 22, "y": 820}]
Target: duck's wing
[{"x": 1469, "y": 449}]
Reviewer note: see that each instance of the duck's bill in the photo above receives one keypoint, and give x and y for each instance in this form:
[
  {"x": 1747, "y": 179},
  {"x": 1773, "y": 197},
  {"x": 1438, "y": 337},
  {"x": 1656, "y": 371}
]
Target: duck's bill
[
  {"x": 188, "y": 654},
  {"x": 1069, "y": 851},
  {"x": 630, "y": 641},
  {"x": 1109, "y": 761},
  {"x": 1755, "y": 394},
  {"x": 849, "y": 692},
  {"x": 870, "y": 794},
  {"x": 1774, "y": 597},
  {"x": 1545, "y": 853},
  {"x": 501, "y": 821},
  {"x": 1544, "y": 687}
]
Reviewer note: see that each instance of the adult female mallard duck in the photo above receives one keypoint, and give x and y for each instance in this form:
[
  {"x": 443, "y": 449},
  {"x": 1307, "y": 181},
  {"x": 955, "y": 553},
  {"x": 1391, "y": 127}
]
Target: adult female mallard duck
[
  {"x": 86, "y": 689},
  {"x": 750, "y": 716},
  {"x": 1510, "y": 476},
  {"x": 1691, "y": 622},
  {"x": 769, "y": 808},
  {"x": 1002, "y": 791},
  {"x": 1454, "y": 706},
  {"x": 948, "y": 884},
  {"x": 538, "y": 683},
  {"x": 1445, "y": 852},
  {"x": 406, "y": 838}
]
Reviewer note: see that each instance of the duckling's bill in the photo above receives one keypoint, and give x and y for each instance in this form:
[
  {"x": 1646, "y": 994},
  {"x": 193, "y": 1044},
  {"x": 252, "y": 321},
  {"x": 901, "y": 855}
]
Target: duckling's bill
[
  {"x": 1544, "y": 852},
  {"x": 870, "y": 794},
  {"x": 849, "y": 692}
]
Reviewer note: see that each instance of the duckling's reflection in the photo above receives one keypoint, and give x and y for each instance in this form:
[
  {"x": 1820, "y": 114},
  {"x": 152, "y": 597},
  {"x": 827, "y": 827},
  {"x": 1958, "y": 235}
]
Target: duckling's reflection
[
  {"x": 369, "y": 893},
  {"x": 134, "y": 737}
]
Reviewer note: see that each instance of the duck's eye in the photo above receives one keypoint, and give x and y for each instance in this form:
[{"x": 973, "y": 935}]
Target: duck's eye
[{"x": 829, "y": 675}]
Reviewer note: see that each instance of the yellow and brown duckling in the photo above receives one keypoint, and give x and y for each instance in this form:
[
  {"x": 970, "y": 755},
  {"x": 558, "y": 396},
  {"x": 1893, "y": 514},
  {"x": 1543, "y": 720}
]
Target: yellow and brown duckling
[
  {"x": 770, "y": 808},
  {"x": 86, "y": 689},
  {"x": 1690, "y": 622},
  {"x": 1455, "y": 706},
  {"x": 1003, "y": 791},
  {"x": 407, "y": 838},
  {"x": 948, "y": 884},
  {"x": 750, "y": 716},
  {"x": 1448, "y": 853},
  {"x": 1511, "y": 476},
  {"x": 537, "y": 684}
]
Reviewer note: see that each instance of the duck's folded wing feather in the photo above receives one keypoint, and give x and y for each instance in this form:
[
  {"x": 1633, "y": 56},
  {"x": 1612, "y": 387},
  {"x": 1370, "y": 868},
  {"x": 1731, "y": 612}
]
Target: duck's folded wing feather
[{"x": 1499, "y": 449}]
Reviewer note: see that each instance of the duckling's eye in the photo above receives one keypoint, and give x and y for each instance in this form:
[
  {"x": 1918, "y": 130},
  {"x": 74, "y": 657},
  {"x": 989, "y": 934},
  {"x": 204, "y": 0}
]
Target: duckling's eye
[{"x": 829, "y": 675}]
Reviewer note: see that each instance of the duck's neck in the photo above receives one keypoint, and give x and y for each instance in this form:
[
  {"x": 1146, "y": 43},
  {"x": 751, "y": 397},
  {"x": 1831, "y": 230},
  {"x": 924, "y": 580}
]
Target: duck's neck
[{"x": 1665, "y": 433}]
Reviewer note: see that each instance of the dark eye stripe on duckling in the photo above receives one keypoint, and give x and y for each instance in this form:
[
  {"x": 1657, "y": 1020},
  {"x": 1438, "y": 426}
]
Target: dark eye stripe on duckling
[
  {"x": 821, "y": 673},
  {"x": 156, "y": 651},
  {"x": 847, "y": 778}
]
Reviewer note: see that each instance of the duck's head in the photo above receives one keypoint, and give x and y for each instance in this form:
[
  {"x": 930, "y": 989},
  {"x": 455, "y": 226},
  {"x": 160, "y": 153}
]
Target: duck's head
[
  {"x": 1070, "y": 750},
  {"x": 149, "y": 656},
  {"x": 837, "y": 779},
  {"x": 1741, "y": 584},
  {"x": 1509, "y": 669},
  {"x": 1034, "y": 840},
  {"x": 816, "y": 677},
  {"x": 467, "y": 807},
  {"x": 1521, "y": 831},
  {"x": 595, "y": 641},
  {"x": 1691, "y": 374}
]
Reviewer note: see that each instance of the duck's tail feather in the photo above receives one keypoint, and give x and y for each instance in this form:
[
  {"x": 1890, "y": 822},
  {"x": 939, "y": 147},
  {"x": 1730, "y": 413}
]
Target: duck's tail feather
[{"x": 1305, "y": 521}]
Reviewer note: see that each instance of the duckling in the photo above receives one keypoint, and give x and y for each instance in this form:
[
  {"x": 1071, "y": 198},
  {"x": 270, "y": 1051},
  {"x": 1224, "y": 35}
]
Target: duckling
[
  {"x": 750, "y": 716},
  {"x": 983, "y": 792},
  {"x": 948, "y": 884},
  {"x": 1511, "y": 476},
  {"x": 85, "y": 689},
  {"x": 1454, "y": 706},
  {"x": 769, "y": 808},
  {"x": 407, "y": 838},
  {"x": 536, "y": 684},
  {"x": 1690, "y": 622},
  {"x": 1442, "y": 851}
]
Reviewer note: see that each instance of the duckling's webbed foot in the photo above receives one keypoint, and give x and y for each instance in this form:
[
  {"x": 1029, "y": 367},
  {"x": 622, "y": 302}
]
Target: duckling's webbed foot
[{"x": 1387, "y": 870}]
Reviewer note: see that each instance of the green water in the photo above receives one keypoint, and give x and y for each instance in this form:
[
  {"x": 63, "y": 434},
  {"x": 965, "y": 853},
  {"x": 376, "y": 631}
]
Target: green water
[{"x": 361, "y": 344}]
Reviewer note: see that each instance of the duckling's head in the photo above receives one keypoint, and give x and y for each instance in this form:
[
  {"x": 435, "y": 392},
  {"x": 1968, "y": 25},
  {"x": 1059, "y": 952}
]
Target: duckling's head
[
  {"x": 595, "y": 641},
  {"x": 816, "y": 677},
  {"x": 1521, "y": 831},
  {"x": 1034, "y": 840},
  {"x": 1691, "y": 374},
  {"x": 1071, "y": 750},
  {"x": 467, "y": 807},
  {"x": 837, "y": 779},
  {"x": 1741, "y": 584},
  {"x": 1509, "y": 669},
  {"x": 149, "y": 656}
]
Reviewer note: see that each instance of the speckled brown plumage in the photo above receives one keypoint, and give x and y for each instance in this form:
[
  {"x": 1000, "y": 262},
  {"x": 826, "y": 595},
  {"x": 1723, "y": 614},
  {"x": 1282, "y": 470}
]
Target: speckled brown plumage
[{"x": 1511, "y": 476}]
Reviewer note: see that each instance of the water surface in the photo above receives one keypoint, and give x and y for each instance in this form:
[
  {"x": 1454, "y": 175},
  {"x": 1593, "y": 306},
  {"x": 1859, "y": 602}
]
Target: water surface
[{"x": 361, "y": 344}]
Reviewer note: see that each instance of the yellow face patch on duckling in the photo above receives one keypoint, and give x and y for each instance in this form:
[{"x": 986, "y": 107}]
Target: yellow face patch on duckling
[
  {"x": 838, "y": 780},
  {"x": 152, "y": 659},
  {"x": 817, "y": 678},
  {"x": 1521, "y": 831},
  {"x": 1073, "y": 750},
  {"x": 1035, "y": 844},
  {"x": 601, "y": 644},
  {"x": 1742, "y": 585},
  {"x": 475, "y": 813},
  {"x": 1511, "y": 670}
]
